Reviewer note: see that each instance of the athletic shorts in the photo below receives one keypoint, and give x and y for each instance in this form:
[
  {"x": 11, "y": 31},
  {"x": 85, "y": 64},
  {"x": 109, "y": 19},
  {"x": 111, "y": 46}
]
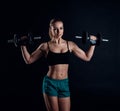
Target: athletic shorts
[{"x": 53, "y": 87}]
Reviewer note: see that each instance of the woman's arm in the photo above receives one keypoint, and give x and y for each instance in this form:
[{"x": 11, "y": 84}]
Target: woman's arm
[
  {"x": 30, "y": 58},
  {"x": 86, "y": 56}
]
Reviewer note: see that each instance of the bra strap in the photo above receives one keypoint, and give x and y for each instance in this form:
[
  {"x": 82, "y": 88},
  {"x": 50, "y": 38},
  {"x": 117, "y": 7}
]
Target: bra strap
[
  {"x": 48, "y": 46},
  {"x": 68, "y": 45}
]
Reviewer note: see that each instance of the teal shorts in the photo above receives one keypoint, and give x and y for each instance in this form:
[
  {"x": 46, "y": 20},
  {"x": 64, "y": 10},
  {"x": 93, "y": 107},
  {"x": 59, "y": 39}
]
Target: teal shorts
[{"x": 53, "y": 87}]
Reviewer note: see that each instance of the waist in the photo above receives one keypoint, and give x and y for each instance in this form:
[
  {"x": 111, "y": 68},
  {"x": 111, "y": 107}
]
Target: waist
[
  {"x": 55, "y": 79},
  {"x": 59, "y": 68},
  {"x": 60, "y": 74}
]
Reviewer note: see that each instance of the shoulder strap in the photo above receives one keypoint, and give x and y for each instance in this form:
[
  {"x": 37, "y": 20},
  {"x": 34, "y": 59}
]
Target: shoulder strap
[
  {"x": 48, "y": 46},
  {"x": 68, "y": 45}
]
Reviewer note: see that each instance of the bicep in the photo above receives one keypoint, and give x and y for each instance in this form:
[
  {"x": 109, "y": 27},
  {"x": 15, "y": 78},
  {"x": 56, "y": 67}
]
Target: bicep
[{"x": 78, "y": 52}]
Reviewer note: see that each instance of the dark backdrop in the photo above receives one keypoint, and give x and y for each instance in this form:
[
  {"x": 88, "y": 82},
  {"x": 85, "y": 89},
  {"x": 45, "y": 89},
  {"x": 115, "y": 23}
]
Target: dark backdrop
[{"x": 94, "y": 85}]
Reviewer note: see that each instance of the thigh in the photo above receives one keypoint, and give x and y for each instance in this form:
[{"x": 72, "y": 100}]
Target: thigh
[
  {"x": 64, "y": 104},
  {"x": 51, "y": 102}
]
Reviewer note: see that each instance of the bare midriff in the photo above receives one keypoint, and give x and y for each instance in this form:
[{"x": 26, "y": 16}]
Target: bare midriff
[{"x": 59, "y": 71}]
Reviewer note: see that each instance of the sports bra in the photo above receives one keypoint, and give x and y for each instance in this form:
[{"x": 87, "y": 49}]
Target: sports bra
[{"x": 58, "y": 58}]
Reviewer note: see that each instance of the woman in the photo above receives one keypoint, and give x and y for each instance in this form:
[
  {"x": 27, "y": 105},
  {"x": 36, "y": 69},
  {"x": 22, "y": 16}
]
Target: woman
[{"x": 57, "y": 51}]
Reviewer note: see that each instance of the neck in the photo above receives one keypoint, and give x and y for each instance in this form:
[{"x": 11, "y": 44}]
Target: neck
[{"x": 57, "y": 41}]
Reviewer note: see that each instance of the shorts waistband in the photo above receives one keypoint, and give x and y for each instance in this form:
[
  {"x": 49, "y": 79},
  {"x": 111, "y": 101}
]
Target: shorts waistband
[{"x": 47, "y": 77}]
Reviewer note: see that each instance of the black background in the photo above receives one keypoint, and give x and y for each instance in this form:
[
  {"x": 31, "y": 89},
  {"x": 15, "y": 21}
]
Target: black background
[{"x": 94, "y": 85}]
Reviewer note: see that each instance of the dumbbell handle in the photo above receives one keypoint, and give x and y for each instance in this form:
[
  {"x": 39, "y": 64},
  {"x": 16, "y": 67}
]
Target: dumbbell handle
[
  {"x": 34, "y": 38},
  {"x": 80, "y": 37},
  {"x": 37, "y": 38},
  {"x": 10, "y": 41}
]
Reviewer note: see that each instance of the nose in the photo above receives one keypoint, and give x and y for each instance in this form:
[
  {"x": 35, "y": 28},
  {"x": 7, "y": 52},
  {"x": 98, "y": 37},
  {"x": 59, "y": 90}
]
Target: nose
[{"x": 58, "y": 30}]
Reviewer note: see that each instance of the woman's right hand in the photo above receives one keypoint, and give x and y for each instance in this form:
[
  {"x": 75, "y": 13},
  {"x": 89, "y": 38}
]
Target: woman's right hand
[{"x": 23, "y": 41}]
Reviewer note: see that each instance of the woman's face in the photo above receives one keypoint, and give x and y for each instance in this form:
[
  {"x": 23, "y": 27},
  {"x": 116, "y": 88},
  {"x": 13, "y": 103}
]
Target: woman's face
[{"x": 57, "y": 29}]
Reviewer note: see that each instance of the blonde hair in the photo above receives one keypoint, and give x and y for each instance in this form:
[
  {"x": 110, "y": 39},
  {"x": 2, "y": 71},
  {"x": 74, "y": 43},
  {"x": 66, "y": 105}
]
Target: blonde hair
[{"x": 52, "y": 22}]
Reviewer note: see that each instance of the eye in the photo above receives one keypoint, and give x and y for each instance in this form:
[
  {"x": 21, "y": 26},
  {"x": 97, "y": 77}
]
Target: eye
[
  {"x": 54, "y": 29},
  {"x": 61, "y": 28}
]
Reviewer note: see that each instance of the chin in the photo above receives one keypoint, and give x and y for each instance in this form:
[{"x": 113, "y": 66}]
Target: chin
[{"x": 58, "y": 37}]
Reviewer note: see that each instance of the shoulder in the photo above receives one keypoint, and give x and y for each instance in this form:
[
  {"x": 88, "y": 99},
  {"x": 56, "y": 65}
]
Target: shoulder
[
  {"x": 71, "y": 43},
  {"x": 43, "y": 46}
]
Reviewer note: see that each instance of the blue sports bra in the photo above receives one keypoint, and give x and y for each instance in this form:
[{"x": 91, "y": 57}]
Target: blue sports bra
[{"x": 58, "y": 58}]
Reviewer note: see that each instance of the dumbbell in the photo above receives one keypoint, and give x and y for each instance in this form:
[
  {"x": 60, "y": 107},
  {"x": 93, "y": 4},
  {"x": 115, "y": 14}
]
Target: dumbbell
[
  {"x": 17, "y": 39},
  {"x": 85, "y": 37}
]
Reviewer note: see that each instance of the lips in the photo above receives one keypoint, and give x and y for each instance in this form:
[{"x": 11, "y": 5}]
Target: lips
[{"x": 59, "y": 35}]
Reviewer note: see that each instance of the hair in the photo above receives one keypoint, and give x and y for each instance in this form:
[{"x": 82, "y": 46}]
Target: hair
[{"x": 52, "y": 21}]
